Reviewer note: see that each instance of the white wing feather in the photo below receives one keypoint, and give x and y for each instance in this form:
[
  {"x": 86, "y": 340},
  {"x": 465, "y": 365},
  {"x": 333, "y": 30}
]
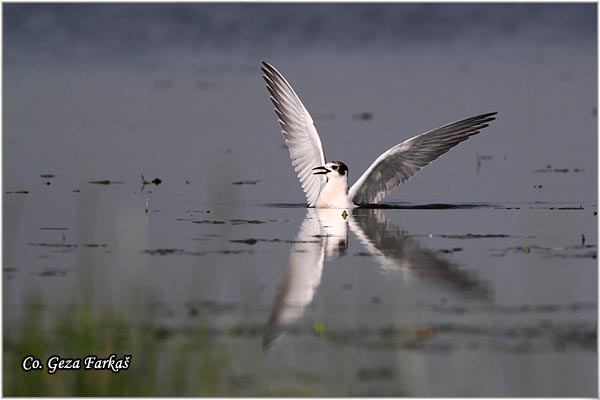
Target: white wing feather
[
  {"x": 299, "y": 132},
  {"x": 402, "y": 161}
]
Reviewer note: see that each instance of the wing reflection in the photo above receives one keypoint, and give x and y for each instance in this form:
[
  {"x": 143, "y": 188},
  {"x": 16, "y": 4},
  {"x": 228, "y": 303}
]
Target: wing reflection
[
  {"x": 325, "y": 232},
  {"x": 394, "y": 250}
]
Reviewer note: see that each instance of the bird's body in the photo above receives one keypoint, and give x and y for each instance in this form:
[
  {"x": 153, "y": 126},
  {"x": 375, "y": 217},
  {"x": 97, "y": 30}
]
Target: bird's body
[
  {"x": 334, "y": 193},
  {"x": 326, "y": 184}
]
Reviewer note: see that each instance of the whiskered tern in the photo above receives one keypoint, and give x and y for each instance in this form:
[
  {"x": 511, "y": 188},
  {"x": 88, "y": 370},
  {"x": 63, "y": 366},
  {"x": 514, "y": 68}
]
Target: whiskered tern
[{"x": 325, "y": 184}]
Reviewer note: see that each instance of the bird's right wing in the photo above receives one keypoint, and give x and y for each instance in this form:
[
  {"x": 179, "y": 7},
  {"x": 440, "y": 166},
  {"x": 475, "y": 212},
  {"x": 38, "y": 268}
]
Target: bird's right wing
[
  {"x": 404, "y": 160},
  {"x": 299, "y": 132}
]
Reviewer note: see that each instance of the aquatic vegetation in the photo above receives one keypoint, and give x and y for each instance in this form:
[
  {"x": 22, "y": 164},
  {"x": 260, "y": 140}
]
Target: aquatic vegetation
[
  {"x": 106, "y": 182},
  {"x": 162, "y": 362},
  {"x": 246, "y": 182}
]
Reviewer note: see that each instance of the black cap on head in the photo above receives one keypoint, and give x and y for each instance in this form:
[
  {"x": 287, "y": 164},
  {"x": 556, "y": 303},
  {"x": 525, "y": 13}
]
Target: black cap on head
[{"x": 342, "y": 168}]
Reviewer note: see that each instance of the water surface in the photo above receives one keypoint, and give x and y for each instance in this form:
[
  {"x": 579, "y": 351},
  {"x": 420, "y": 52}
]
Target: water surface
[{"x": 476, "y": 278}]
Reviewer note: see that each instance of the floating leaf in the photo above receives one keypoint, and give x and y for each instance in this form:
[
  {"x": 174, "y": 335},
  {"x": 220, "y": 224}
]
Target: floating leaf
[{"x": 319, "y": 329}]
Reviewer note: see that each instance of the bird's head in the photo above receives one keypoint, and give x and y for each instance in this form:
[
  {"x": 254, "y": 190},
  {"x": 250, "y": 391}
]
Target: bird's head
[{"x": 332, "y": 169}]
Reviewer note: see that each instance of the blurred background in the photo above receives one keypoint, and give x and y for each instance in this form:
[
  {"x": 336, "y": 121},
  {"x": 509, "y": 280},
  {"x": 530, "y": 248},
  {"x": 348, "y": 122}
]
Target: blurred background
[{"x": 96, "y": 95}]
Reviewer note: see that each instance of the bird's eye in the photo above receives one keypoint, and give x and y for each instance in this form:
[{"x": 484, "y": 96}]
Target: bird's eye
[{"x": 334, "y": 167}]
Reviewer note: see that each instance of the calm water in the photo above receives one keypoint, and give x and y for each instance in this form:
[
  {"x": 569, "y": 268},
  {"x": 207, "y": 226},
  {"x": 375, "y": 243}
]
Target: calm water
[{"x": 477, "y": 278}]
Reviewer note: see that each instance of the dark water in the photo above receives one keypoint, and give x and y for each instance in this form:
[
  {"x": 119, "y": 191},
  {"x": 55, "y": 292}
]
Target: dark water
[{"x": 476, "y": 278}]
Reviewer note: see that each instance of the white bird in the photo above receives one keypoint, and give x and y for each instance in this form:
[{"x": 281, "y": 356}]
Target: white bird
[{"x": 390, "y": 169}]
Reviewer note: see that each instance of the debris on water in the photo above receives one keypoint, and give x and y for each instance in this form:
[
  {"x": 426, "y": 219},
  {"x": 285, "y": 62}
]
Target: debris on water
[
  {"x": 433, "y": 206},
  {"x": 51, "y": 228},
  {"x": 557, "y": 208},
  {"x": 376, "y": 300},
  {"x": 48, "y": 183},
  {"x": 537, "y": 186},
  {"x": 69, "y": 245},
  {"x": 557, "y": 170},
  {"x": 47, "y": 176},
  {"x": 233, "y": 251},
  {"x": 252, "y": 241},
  {"x": 209, "y": 306},
  {"x": 247, "y": 221},
  {"x": 187, "y": 182},
  {"x": 63, "y": 245},
  {"x": 318, "y": 329},
  {"x": 18, "y": 192},
  {"x": 363, "y": 116},
  {"x": 171, "y": 251},
  {"x": 220, "y": 222},
  {"x": 76, "y": 191},
  {"x": 249, "y": 242},
  {"x": 163, "y": 252},
  {"x": 53, "y": 272},
  {"x": 450, "y": 251},
  {"x": 206, "y": 221},
  {"x": 474, "y": 236},
  {"x": 576, "y": 251},
  {"x": 246, "y": 182},
  {"x": 156, "y": 181},
  {"x": 346, "y": 286},
  {"x": 106, "y": 182}
]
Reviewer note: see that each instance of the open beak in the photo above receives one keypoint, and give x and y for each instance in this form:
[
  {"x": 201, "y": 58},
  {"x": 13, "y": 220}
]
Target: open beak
[{"x": 320, "y": 170}]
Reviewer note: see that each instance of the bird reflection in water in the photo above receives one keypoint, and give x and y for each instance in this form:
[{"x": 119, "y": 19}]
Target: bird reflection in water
[{"x": 324, "y": 234}]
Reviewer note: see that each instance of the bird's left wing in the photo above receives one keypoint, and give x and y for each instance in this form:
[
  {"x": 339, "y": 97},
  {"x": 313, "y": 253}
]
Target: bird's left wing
[
  {"x": 404, "y": 160},
  {"x": 299, "y": 132}
]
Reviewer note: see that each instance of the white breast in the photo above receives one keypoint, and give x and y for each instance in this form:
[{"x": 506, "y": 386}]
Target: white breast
[{"x": 335, "y": 194}]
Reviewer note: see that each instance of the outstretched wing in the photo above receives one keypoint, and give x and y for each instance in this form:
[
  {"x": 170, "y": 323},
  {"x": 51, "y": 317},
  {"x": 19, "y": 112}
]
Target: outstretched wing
[
  {"x": 402, "y": 161},
  {"x": 299, "y": 132}
]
